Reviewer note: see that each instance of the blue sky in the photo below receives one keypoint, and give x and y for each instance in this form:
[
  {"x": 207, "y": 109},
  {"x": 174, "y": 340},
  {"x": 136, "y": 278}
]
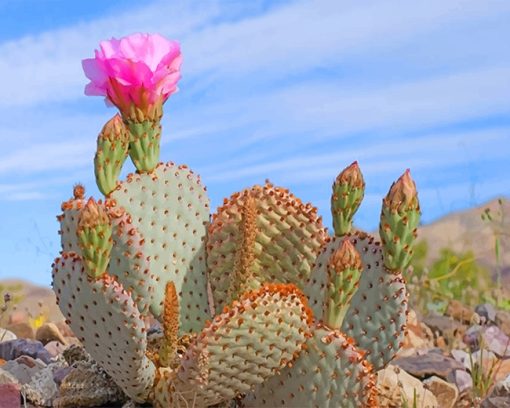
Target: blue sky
[{"x": 292, "y": 91}]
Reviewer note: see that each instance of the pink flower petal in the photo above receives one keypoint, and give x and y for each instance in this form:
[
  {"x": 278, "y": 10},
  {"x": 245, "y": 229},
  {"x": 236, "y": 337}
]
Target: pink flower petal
[{"x": 137, "y": 69}]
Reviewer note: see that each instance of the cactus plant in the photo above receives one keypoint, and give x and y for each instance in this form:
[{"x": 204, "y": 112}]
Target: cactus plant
[{"x": 258, "y": 301}]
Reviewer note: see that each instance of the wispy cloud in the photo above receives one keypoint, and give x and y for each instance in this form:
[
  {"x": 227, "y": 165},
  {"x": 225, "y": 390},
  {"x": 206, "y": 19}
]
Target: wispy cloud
[{"x": 290, "y": 90}]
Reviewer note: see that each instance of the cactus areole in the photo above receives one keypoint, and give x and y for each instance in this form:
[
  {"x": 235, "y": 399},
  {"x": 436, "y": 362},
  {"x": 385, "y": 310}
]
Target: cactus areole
[{"x": 255, "y": 302}]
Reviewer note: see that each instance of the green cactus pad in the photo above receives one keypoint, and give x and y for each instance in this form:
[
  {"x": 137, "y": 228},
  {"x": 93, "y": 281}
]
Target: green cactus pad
[
  {"x": 243, "y": 346},
  {"x": 170, "y": 208},
  {"x": 377, "y": 315},
  {"x": 69, "y": 224},
  {"x": 127, "y": 260},
  {"x": 105, "y": 319},
  {"x": 329, "y": 373},
  {"x": 289, "y": 235}
]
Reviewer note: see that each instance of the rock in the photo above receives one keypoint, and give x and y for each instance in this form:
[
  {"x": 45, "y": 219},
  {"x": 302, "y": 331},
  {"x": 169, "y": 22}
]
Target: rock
[
  {"x": 461, "y": 379},
  {"x": 487, "y": 312},
  {"x": 496, "y": 402},
  {"x": 496, "y": 341},
  {"x": 55, "y": 348},
  {"x": 64, "y": 328},
  {"x": 60, "y": 374},
  {"x": 462, "y": 357},
  {"x": 416, "y": 337},
  {"x": 499, "y": 396},
  {"x": 426, "y": 365},
  {"x": 41, "y": 389},
  {"x": 444, "y": 327},
  {"x": 23, "y": 372},
  {"x": 396, "y": 387},
  {"x": 30, "y": 362},
  {"x": 88, "y": 385},
  {"x": 73, "y": 354},
  {"x": 459, "y": 311},
  {"x": 503, "y": 370},
  {"x": 22, "y": 330},
  {"x": 10, "y": 395},
  {"x": 503, "y": 321},
  {"x": 49, "y": 332},
  {"x": 472, "y": 337},
  {"x": 7, "y": 335},
  {"x": 7, "y": 378},
  {"x": 445, "y": 393},
  {"x": 9, "y": 350}
]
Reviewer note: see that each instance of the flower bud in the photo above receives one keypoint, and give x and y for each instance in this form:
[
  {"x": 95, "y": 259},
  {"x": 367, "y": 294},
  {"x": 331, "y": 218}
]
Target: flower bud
[
  {"x": 95, "y": 238},
  {"x": 348, "y": 192},
  {"x": 112, "y": 151},
  {"x": 344, "y": 271},
  {"x": 400, "y": 216},
  {"x": 402, "y": 194}
]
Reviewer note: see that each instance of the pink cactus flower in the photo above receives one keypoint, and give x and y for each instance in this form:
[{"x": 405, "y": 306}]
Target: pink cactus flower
[{"x": 139, "y": 70}]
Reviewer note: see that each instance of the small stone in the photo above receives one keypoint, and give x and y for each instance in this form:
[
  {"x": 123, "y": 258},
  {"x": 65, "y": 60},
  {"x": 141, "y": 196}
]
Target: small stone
[
  {"x": 431, "y": 363},
  {"x": 7, "y": 335},
  {"x": 445, "y": 326},
  {"x": 49, "y": 332},
  {"x": 22, "y": 330},
  {"x": 88, "y": 385},
  {"x": 499, "y": 396},
  {"x": 462, "y": 357},
  {"x": 9, "y": 350},
  {"x": 472, "y": 337},
  {"x": 10, "y": 395},
  {"x": 41, "y": 389},
  {"x": 459, "y": 311},
  {"x": 64, "y": 328},
  {"x": 461, "y": 379},
  {"x": 55, "y": 348},
  {"x": 60, "y": 373},
  {"x": 446, "y": 393},
  {"x": 7, "y": 378},
  {"x": 74, "y": 353},
  {"x": 503, "y": 321},
  {"x": 395, "y": 386},
  {"x": 22, "y": 372},
  {"x": 496, "y": 341},
  {"x": 486, "y": 311},
  {"x": 30, "y": 361}
]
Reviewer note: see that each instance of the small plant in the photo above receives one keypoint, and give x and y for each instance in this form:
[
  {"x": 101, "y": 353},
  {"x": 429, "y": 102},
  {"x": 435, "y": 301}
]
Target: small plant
[{"x": 453, "y": 276}]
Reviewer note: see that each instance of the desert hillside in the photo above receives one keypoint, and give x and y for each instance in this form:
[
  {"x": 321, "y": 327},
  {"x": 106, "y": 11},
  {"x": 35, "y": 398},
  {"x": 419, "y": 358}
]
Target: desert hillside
[{"x": 465, "y": 230}]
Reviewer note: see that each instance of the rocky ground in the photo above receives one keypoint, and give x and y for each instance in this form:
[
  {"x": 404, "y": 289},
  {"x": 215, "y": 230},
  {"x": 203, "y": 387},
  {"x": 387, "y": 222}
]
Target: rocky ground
[{"x": 459, "y": 359}]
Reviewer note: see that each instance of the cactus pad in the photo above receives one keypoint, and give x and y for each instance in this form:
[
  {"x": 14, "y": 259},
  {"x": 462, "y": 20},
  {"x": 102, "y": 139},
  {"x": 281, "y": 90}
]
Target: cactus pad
[
  {"x": 106, "y": 320},
  {"x": 330, "y": 372},
  {"x": 377, "y": 314},
  {"x": 243, "y": 346},
  {"x": 69, "y": 224},
  {"x": 170, "y": 208},
  {"x": 288, "y": 237}
]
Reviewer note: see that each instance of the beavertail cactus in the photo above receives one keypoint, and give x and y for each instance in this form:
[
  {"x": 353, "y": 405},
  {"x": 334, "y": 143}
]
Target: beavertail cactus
[{"x": 256, "y": 302}]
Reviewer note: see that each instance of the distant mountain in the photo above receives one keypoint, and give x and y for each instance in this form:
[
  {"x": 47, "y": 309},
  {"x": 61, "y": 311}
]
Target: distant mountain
[
  {"x": 465, "y": 230},
  {"x": 29, "y": 299}
]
